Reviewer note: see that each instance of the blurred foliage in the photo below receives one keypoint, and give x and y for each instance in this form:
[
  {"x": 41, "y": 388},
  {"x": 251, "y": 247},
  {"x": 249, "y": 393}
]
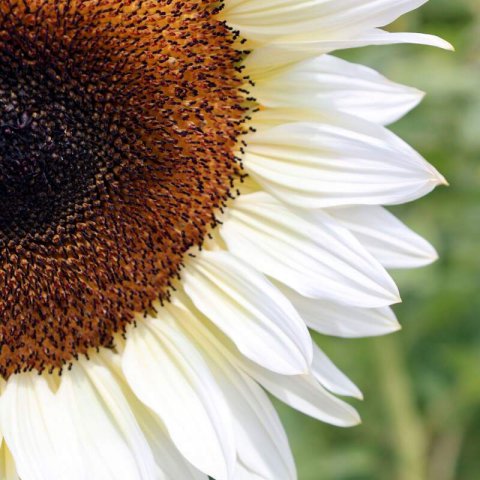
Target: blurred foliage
[{"x": 421, "y": 414}]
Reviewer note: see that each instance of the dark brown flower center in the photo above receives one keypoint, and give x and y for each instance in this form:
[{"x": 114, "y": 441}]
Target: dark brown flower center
[{"x": 118, "y": 121}]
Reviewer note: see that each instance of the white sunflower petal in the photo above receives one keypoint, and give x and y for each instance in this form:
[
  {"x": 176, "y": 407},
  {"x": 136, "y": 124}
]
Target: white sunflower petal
[
  {"x": 117, "y": 408},
  {"x": 8, "y": 470},
  {"x": 168, "y": 375},
  {"x": 330, "y": 83},
  {"x": 317, "y": 165},
  {"x": 382, "y": 37},
  {"x": 27, "y": 415},
  {"x": 243, "y": 473},
  {"x": 261, "y": 441},
  {"x": 331, "y": 318},
  {"x": 250, "y": 310},
  {"x": 334, "y": 380},
  {"x": 267, "y": 58},
  {"x": 391, "y": 242},
  {"x": 299, "y": 20},
  {"x": 302, "y": 392},
  {"x": 169, "y": 462},
  {"x": 317, "y": 258},
  {"x": 100, "y": 428},
  {"x": 305, "y": 394},
  {"x": 262, "y": 445}
]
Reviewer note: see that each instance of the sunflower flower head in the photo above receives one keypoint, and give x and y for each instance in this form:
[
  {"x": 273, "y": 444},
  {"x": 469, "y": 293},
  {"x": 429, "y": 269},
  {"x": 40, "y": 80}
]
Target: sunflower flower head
[{"x": 187, "y": 186}]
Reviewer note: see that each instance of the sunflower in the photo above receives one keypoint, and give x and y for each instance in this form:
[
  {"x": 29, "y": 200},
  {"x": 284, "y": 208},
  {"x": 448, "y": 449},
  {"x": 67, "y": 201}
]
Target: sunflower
[{"x": 187, "y": 186}]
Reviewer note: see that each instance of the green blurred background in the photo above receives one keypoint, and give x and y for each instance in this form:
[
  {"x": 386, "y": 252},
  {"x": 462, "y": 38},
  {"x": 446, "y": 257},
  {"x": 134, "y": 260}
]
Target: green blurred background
[{"x": 421, "y": 414}]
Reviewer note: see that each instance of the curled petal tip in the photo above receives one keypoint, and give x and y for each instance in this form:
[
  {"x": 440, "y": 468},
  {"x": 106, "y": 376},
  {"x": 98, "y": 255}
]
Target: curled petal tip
[
  {"x": 441, "y": 43},
  {"x": 444, "y": 181},
  {"x": 449, "y": 46},
  {"x": 441, "y": 180}
]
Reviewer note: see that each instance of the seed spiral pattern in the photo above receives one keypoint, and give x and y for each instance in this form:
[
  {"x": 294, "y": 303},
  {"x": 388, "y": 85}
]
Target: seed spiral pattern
[{"x": 118, "y": 123}]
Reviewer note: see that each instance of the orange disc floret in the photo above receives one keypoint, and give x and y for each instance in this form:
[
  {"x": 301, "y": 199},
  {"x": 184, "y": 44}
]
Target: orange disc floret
[{"x": 118, "y": 123}]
